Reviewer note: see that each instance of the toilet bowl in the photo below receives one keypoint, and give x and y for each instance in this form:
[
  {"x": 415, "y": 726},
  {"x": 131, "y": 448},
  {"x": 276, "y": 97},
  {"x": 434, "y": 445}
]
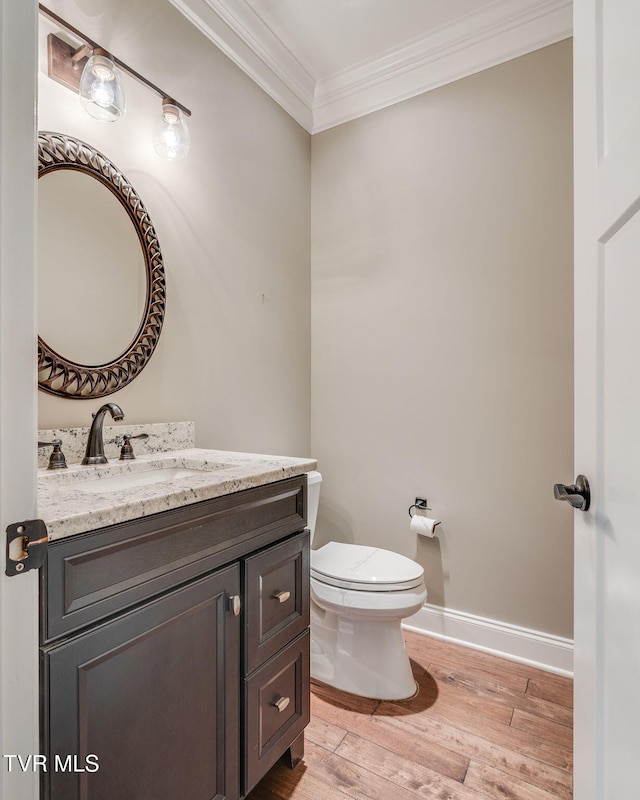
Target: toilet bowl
[{"x": 359, "y": 596}]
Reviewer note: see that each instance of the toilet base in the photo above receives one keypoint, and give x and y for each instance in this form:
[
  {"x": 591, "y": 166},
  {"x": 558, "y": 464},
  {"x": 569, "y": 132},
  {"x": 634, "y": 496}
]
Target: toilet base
[{"x": 361, "y": 656}]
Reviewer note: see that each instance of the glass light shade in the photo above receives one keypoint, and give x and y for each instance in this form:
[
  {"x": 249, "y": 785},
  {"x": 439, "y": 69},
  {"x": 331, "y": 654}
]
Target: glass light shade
[
  {"x": 170, "y": 133},
  {"x": 101, "y": 92}
]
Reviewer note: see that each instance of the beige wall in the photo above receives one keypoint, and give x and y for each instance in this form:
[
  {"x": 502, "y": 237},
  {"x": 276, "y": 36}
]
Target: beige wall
[
  {"x": 442, "y": 335},
  {"x": 442, "y": 357},
  {"x": 233, "y": 224}
]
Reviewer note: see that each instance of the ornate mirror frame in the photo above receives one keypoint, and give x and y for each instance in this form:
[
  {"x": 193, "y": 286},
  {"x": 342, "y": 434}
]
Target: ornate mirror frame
[{"x": 65, "y": 378}]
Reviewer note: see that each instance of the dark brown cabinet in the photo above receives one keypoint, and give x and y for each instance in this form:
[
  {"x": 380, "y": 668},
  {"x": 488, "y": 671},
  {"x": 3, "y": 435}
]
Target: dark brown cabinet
[
  {"x": 152, "y": 696},
  {"x": 276, "y": 652},
  {"x": 175, "y": 650}
]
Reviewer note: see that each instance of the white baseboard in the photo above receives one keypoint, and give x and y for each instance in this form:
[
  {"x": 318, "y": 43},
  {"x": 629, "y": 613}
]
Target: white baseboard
[{"x": 542, "y": 650}]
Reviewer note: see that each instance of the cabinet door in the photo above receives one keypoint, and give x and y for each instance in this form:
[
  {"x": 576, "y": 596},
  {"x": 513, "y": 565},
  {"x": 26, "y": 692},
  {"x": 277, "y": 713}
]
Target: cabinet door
[{"x": 154, "y": 696}]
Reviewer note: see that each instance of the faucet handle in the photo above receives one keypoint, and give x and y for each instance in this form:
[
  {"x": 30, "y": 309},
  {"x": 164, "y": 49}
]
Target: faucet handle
[
  {"x": 56, "y": 459},
  {"x": 126, "y": 451}
]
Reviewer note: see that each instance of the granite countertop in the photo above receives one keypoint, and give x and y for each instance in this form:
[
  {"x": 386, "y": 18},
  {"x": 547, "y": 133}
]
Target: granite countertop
[{"x": 69, "y": 507}]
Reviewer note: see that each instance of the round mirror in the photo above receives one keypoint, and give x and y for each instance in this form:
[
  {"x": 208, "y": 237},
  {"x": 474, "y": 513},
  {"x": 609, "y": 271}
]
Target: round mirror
[
  {"x": 92, "y": 282},
  {"x": 101, "y": 281}
]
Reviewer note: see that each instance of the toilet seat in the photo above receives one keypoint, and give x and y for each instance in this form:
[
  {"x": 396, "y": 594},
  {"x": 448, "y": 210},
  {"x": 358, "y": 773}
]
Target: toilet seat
[
  {"x": 362, "y": 604},
  {"x": 366, "y": 569}
]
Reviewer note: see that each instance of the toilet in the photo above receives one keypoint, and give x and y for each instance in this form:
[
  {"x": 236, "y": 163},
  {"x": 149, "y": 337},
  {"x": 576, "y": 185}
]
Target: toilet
[{"x": 359, "y": 596}]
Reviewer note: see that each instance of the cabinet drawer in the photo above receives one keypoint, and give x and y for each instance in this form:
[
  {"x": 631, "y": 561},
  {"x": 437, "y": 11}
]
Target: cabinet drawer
[
  {"x": 277, "y": 598},
  {"x": 276, "y": 708}
]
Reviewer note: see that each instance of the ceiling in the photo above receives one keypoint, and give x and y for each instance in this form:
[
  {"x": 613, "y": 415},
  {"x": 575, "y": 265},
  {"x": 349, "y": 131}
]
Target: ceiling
[
  {"x": 329, "y": 61},
  {"x": 329, "y": 36}
]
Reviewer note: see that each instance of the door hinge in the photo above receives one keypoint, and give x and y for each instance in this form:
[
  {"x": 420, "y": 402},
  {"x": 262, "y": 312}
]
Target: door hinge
[{"x": 26, "y": 546}]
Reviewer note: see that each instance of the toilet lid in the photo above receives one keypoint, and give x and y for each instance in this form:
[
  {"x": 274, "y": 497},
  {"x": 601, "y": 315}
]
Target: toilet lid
[{"x": 369, "y": 569}]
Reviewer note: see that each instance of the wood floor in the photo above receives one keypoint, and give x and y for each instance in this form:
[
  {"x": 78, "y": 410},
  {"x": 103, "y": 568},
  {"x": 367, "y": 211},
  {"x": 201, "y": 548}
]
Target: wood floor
[{"x": 481, "y": 727}]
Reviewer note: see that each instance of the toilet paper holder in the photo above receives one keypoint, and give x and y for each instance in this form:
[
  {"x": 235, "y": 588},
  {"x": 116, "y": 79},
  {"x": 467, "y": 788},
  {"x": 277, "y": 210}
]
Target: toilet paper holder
[{"x": 420, "y": 505}]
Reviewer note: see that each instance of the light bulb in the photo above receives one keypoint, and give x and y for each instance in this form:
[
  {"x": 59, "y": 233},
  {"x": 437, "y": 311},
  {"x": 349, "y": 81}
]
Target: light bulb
[
  {"x": 170, "y": 133},
  {"x": 101, "y": 91}
]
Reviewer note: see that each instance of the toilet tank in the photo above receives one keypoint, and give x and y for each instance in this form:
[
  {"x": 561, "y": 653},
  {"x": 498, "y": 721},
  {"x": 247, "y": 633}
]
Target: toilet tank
[{"x": 314, "y": 479}]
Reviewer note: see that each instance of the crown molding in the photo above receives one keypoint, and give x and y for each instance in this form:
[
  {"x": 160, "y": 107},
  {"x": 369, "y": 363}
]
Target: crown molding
[
  {"x": 496, "y": 33},
  {"x": 240, "y": 33}
]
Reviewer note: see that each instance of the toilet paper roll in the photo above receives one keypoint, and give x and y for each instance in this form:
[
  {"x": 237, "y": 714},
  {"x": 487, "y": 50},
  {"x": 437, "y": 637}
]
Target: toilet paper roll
[{"x": 424, "y": 526}]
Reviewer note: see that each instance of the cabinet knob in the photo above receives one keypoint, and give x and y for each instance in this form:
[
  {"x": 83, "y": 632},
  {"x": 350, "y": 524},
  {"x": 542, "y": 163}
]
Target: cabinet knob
[
  {"x": 234, "y": 604},
  {"x": 282, "y": 597},
  {"x": 281, "y": 703}
]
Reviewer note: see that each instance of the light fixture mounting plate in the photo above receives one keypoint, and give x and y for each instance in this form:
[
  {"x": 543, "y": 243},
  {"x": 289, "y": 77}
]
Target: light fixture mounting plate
[{"x": 61, "y": 64}]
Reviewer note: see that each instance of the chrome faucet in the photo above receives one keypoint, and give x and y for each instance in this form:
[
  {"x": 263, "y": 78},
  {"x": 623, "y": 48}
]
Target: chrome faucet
[{"x": 94, "y": 453}]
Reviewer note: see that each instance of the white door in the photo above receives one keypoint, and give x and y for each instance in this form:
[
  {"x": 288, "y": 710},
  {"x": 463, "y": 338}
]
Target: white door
[
  {"x": 18, "y": 595},
  {"x": 607, "y": 346}
]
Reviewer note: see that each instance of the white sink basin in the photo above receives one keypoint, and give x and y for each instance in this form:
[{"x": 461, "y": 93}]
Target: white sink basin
[{"x": 130, "y": 480}]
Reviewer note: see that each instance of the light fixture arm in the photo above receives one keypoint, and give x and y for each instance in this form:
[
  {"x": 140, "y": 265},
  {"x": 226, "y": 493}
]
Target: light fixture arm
[{"x": 82, "y": 51}]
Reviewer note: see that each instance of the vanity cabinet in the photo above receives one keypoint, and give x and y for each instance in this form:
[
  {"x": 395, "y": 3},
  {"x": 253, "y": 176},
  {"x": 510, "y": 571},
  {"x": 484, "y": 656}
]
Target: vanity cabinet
[{"x": 175, "y": 650}]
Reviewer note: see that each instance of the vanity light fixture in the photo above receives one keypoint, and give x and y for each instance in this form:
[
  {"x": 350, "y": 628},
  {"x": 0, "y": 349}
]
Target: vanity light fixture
[
  {"x": 101, "y": 91},
  {"x": 94, "y": 74}
]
